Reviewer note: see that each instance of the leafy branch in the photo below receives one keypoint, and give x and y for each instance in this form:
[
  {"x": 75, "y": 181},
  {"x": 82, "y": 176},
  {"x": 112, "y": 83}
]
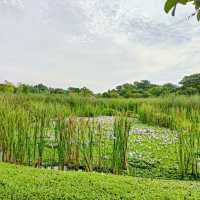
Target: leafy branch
[{"x": 171, "y": 5}]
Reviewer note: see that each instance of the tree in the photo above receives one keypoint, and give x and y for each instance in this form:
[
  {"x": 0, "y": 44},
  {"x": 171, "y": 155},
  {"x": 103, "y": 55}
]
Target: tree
[
  {"x": 111, "y": 94},
  {"x": 57, "y": 91},
  {"x": 168, "y": 88},
  {"x": 7, "y": 87},
  {"x": 126, "y": 90},
  {"x": 187, "y": 91},
  {"x": 85, "y": 92},
  {"x": 156, "y": 90},
  {"x": 143, "y": 84},
  {"x": 172, "y": 4},
  {"x": 40, "y": 88},
  {"x": 192, "y": 83},
  {"x": 80, "y": 92},
  {"x": 23, "y": 88},
  {"x": 73, "y": 90}
]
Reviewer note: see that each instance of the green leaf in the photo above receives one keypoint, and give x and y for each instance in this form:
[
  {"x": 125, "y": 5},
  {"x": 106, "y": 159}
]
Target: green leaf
[
  {"x": 184, "y": 2},
  {"x": 197, "y": 5},
  {"x": 198, "y": 16},
  {"x": 169, "y": 5}
]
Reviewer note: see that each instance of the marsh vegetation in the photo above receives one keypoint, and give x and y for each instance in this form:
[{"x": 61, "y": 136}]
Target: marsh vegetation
[{"x": 104, "y": 135}]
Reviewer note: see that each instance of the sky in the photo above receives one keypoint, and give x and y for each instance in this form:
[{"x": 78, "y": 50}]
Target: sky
[{"x": 96, "y": 43}]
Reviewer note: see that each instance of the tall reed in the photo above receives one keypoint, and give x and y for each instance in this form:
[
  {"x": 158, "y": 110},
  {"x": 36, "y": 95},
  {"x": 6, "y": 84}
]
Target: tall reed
[{"x": 122, "y": 126}]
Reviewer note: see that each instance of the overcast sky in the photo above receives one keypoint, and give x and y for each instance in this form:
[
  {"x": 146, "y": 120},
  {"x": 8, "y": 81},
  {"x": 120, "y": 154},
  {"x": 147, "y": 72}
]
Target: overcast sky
[{"x": 95, "y": 43}]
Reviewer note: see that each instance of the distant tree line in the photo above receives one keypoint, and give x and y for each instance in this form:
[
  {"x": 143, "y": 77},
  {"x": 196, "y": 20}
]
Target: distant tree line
[
  {"x": 21, "y": 88},
  {"x": 189, "y": 85}
]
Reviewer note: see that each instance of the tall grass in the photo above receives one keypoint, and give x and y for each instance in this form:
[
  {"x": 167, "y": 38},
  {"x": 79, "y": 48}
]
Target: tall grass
[
  {"x": 41, "y": 130},
  {"x": 183, "y": 116},
  {"x": 122, "y": 126}
]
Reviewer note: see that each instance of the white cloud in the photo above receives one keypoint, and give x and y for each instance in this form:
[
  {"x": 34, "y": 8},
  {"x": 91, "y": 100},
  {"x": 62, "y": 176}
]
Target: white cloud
[{"x": 95, "y": 43}]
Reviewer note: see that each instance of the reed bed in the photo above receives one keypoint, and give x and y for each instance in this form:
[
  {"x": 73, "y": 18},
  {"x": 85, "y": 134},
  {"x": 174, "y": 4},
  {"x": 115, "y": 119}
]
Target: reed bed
[
  {"x": 122, "y": 127},
  {"x": 182, "y": 116},
  {"x": 60, "y": 131},
  {"x": 44, "y": 134}
]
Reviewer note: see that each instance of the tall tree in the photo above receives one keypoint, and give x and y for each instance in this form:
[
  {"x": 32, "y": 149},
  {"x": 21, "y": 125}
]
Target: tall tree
[
  {"x": 7, "y": 87},
  {"x": 191, "y": 82},
  {"x": 41, "y": 88}
]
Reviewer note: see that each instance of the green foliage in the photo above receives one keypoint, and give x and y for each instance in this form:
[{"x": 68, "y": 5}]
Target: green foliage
[
  {"x": 111, "y": 94},
  {"x": 143, "y": 85},
  {"x": 122, "y": 127},
  {"x": 142, "y": 89},
  {"x": 138, "y": 89},
  {"x": 171, "y": 5},
  {"x": 37, "y": 132},
  {"x": 156, "y": 91},
  {"x": 47, "y": 130},
  {"x": 7, "y": 87},
  {"x": 198, "y": 16},
  {"x": 190, "y": 85},
  {"x": 183, "y": 118},
  {"x": 85, "y": 92},
  {"x": 22, "y": 183},
  {"x": 40, "y": 88},
  {"x": 192, "y": 81}
]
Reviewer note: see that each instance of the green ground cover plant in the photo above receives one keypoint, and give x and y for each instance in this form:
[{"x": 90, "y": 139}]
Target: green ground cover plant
[{"x": 22, "y": 183}]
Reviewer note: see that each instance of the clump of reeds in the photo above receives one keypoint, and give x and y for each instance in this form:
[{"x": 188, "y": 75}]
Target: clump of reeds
[
  {"x": 122, "y": 126},
  {"x": 189, "y": 144},
  {"x": 86, "y": 131}
]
